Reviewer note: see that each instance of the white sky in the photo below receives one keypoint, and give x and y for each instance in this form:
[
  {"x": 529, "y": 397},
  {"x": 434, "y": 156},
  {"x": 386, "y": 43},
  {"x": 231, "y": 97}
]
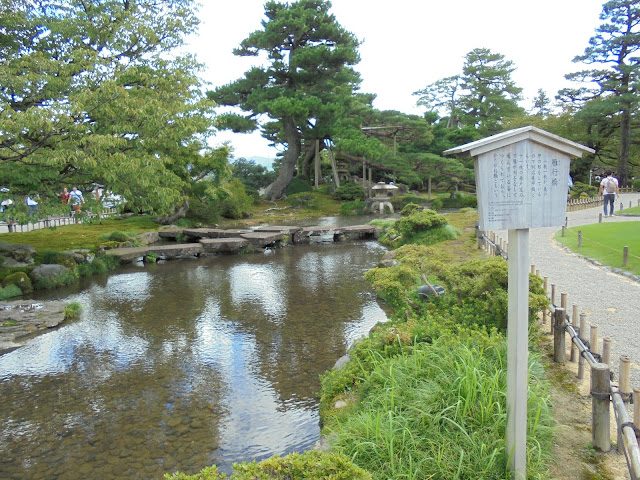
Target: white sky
[{"x": 408, "y": 44}]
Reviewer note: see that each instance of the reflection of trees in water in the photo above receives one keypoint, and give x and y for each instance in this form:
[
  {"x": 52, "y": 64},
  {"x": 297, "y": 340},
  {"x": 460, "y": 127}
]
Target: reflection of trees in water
[{"x": 319, "y": 296}]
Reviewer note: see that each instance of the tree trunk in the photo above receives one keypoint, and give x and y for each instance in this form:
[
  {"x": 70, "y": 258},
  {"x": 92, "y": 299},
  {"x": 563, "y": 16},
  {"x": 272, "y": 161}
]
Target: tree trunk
[
  {"x": 625, "y": 144},
  {"x": 277, "y": 189},
  {"x": 309, "y": 156},
  {"x": 179, "y": 213}
]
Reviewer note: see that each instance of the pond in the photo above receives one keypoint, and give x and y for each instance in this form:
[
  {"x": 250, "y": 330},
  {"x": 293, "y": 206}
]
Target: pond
[{"x": 185, "y": 364}]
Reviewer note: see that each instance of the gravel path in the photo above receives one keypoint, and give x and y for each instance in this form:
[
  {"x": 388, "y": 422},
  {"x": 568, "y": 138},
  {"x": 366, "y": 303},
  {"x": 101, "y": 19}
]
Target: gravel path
[{"x": 610, "y": 300}]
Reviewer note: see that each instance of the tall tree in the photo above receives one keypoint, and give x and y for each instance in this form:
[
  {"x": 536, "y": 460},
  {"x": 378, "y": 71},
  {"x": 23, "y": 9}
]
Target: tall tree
[
  {"x": 91, "y": 93},
  {"x": 306, "y": 85},
  {"x": 611, "y": 91},
  {"x": 480, "y": 97}
]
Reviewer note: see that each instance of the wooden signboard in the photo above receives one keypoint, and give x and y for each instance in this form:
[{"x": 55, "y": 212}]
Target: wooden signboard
[
  {"x": 522, "y": 181},
  {"x": 522, "y": 185}
]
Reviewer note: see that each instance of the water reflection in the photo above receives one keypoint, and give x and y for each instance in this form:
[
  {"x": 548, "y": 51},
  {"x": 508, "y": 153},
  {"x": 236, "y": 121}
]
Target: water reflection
[{"x": 185, "y": 364}]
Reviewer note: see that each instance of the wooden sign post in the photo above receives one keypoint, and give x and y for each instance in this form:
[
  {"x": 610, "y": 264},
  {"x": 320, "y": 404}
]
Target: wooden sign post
[{"x": 522, "y": 180}]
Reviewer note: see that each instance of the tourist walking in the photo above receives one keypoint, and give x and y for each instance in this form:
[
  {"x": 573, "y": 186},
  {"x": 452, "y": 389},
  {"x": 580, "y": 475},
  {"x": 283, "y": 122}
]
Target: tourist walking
[
  {"x": 76, "y": 199},
  {"x": 32, "y": 205},
  {"x": 610, "y": 188}
]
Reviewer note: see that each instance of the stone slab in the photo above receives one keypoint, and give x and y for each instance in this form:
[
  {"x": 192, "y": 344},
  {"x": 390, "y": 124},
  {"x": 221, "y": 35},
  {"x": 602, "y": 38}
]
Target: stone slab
[
  {"x": 214, "y": 232},
  {"x": 170, "y": 233},
  {"x": 285, "y": 230},
  {"x": 22, "y": 319},
  {"x": 262, "y": 239},
  {"x": 224, "y": 244},
  {"x": 166, "y": 251}
]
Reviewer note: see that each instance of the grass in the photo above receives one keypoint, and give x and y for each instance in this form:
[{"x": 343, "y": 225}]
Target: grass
[
  {"x": 629, "y": 211},
  {"x": 440, "y": 412},
  {"x": 85, "y": 235},
  {"x": 605, "y": 242}
]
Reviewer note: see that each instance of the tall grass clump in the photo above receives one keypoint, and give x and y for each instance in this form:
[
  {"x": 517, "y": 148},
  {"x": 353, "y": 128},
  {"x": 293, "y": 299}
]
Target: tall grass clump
[{"x": 440, "y": 412}]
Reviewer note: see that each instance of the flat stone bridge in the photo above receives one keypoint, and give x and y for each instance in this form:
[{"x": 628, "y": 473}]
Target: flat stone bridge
[{"x": 209, "y": 241}]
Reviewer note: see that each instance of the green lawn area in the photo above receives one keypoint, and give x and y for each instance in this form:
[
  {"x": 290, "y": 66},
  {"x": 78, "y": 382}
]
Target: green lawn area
[
  {"x": 82, "y": 235},
  {"x": 631, "y": 211},
  {"x": 605, "y": 242}
]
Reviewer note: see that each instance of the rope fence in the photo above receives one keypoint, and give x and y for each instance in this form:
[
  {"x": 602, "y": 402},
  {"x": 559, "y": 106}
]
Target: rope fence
[{"x": 585, "y": 350}]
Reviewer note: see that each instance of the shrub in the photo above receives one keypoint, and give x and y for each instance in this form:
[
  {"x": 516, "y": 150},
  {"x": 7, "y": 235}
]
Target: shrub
[
  {"x": 233, "y": 201},
  {"x": 436, "y": 204},
  {"x": 49, "y": 257},
  {"x": 302, "y": 199},
  {"x": 460, "y": 201},
  {"x": 352, "y": 208},
  {"x": 120, "y": 237},
  {"x": 580, "y": 189},
  {"x": 419, "y": 221},
  {"x": 72, "y": 311},
  {"x": 151, "y": 257},
  {"x": 409, "y": 208},
  {"x": 20, "y": 279},
  {"x": 10, "y": 291},
  {"x": 407, "y": 199},
  {"x": 298, "y": 184},
  {"x": 350, "y": 191},
  {"x": 310, "y": 465}
]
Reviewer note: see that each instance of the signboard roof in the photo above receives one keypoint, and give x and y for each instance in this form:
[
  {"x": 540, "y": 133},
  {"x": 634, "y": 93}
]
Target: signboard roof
[{"x": 534, "y": 134}]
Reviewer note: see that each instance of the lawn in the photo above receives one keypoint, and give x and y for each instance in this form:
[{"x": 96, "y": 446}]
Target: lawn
[
  {"x": 605, "y": 242},
  {"x": 82, "y": 235}
]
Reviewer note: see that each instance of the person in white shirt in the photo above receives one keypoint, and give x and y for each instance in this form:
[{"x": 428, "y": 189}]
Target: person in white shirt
[
  {"x": 610, "y": 188},
  {"x": 76, "y": 199}
]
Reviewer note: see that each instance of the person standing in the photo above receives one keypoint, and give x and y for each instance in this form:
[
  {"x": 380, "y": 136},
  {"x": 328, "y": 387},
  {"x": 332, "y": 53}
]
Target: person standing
[
  {"x": 76, "y": 199},
  {"x": 610, "y": 188}
]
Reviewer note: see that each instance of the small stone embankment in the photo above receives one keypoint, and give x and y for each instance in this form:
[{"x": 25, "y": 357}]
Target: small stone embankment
[{"x": 23, "y": 319}]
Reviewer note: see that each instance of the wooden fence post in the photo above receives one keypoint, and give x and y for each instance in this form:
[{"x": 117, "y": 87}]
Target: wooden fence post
[
  {"x": 593, "y": 339},
  {"x": 574, "y": 324},
  {"x": 559, "y": 347},
  {"x": 582, "y": 334},
  {"x": 600, "y": 394},
  {"x": 553, "y": 302},
  {"x": 636, "y": 407},
  {"x": 625, "y": 256},
  {"x": 625, "y": 377},
  {"x": 545, "y": 285},
  {"x": 606, "y": 351},
  {"x": 579, "y": 238}
]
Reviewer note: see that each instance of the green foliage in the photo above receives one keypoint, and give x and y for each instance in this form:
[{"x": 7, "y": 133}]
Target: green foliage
[
  {"x": 10, "y": 291},
  {"x": 635, "y": 184},
  {"x": 251, "y": 174},
  {"x": 438, "y": 410},
  {"x": 350, "y": 191},
  {"x": 120, "y": 237},
  {"x": 232, "y": 200},
  {"x": 298, "y": 184},
  {"x": 314, "y": 86},
  {"x": 72, "y": 311},
  {"x": 310, "y": 465},
  {"x": 410, "y": 208},
  {"x": 151, "y": 257},
  {"x": 460, "y": 201},
  {"x": 352, "y": 208},
  {"x": 480, "y": 97},
  {"x": 580, "y": 188},
  {"x": 392, "y": 284},
  {"x": 50, "y": 283},
  {"x": 437, "y": 204},
  {"x": 407, "y": 199},
  {"x": 19, "y": 279},
  {"x": 417, "y": 222},
  {"x": 75, "y": 115},
  {"x": 303, "y": 199}
]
